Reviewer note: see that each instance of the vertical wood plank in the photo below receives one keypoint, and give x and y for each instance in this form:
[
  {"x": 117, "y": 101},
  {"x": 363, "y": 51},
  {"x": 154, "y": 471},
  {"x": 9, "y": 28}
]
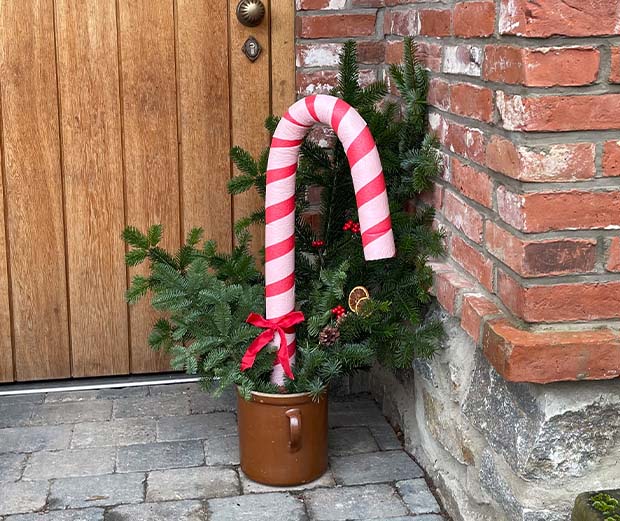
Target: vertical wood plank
[
  {"x": 93, "y": 179},
  {"x": 6, "y": 346},
  {"x": 282, "y": 55},
  {"x": 149, "y": 109},
  {"x": 250, "y": 105},
  {"x": 34, "y": 189},
  {"x": 202, "y": 68}
]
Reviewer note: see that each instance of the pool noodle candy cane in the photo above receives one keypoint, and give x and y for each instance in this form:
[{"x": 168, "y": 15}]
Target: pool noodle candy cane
[{"x": 372, "y": 206}]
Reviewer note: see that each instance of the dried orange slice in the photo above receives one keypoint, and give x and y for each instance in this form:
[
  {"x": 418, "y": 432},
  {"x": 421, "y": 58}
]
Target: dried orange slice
[{"x": 356, "y": 297}]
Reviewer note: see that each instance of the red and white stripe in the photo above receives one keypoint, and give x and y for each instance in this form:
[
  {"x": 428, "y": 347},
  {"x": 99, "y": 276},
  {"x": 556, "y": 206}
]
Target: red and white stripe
[{"x": 370, "y": 193}]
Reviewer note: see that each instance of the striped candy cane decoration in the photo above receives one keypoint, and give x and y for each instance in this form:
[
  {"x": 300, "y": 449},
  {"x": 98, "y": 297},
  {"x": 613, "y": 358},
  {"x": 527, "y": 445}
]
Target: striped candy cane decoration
[{"x": 370, "y": 193}]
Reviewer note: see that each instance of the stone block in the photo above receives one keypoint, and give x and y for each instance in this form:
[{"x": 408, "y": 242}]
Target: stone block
[
  {"x": 201, "y": 402},
  {"x": 545, "y": 432},
  {"x": 257, "y": 507},
  {"x": 418, "y": 496},
  {"x": 196, "y": 426},
  {"x": 100, "y": 491},
  {"x": 32, "y": 439},
  {"x": 151, "y": 406},
  {"x": 366, "y": 502},
  {"x": 71, "y": 396},
  {"x": 124, "y": 431},
  {"x": 176, "y": 388},
  {"x": 15, "y": 414},
  {"x": 123, "y": 392},
  {"x": 222, "y": 451},
  {"x": 191, "y": 483},
  {"x": 69, "y": 463},
  {"x": 172, "y": 510},
  {"x": 71, "y": 412},
  {"x": 11, "y": 466},
  {"x": 87, "y": 514},
  {"x": 374, "y": 467},
  {"x": 351, "y": 440},
  {"x": 252, "y": 487},
  {"x": 21, "y": 398},
  {"x": 23, "y": 496},
  {"x": 157, "y": 456},
  {"x": 355, "y": 413},
  {"x": 385, "y": 436}
]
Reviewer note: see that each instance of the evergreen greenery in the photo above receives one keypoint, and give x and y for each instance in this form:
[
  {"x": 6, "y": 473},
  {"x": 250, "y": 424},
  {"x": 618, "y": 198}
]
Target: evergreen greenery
[{"x": 207, "y": 294}]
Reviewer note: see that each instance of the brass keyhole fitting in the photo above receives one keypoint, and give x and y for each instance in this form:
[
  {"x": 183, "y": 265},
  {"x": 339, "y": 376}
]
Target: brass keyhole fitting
[{"x": 250, "y": 12}]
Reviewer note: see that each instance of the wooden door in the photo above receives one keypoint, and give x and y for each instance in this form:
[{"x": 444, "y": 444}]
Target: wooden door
[{"x": 116, "y": 112}]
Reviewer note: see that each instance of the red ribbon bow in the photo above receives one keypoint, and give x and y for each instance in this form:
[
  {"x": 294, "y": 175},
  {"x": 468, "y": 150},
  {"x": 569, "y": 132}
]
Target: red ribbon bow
[{"x": 284, "y": 324}]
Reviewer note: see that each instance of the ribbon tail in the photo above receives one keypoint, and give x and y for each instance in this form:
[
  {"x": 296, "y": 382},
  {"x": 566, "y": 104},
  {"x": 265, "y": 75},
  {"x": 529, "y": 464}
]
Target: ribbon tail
[
  {"x": 283, "y": 355},
  {"x": 259, "y": 342}
]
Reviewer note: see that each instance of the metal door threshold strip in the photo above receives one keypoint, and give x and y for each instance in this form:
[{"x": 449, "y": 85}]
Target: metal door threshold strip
[{"x": 93, "y": 384}]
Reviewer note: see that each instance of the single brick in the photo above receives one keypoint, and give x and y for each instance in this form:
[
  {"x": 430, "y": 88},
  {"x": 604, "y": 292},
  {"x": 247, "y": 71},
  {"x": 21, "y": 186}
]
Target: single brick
[
  {"x": 336, "y": 25},
  {"x": 542, "y": 67},
  {"x": 124, "y": 431},
  {"x": 476, "y": 308},
  {"x": 316, "y": 82},
  {"x": 524, "y": 356},
  {"x": 465, "y": 141},
  {"x": 139, "y": 406},
  {"x": 559, "y": 113},
  {"x": 447, "y": 287},
  {"x": 313, "y": 5},
  {"x": 434, "y": 196},
  {"x": 72, "y": 412},
  {"x": 545, "y": 18},
  {"x": 473, "y": 19},
  {"x": 371, "y": 52},
  {"x": 611, "y": 158},
  {"x": 551, "y": 163},
  {"x": 463, "y": 216},
  {"x": 429, "y": 54},
  {"x": 614, "y": 73},
  {"x": 571, "y": 210},
  {"x": 439, "y": 94},
  {"x": 374, "y": 467},
  {"x": 472, "y": 183},
  {"x": 317, "y": 54},
  {"x": 435, "y": 22},
  {"x": 540, "y": 258},
  {"x": 462, "y": 59},
  {"x": 474, "y": 262},
  {"x": 613, "y": 255},
  {"x": 401, "y": 23},
  {"x": 560, "y": 302},
  {"x": 340, "y": 504},
  {"x": 471, "y": 101}
]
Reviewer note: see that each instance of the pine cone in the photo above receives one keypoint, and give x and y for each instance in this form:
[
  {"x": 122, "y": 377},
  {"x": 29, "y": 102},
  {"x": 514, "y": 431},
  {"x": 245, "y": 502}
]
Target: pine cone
[{"x": 329, "y": 335}]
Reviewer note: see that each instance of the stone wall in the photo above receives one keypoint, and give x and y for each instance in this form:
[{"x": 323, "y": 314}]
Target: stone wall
[{"x": 525, "y": 98}]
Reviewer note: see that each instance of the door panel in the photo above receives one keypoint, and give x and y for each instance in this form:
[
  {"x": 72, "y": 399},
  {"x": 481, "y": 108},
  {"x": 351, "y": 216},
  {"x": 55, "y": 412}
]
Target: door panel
[
  {"x": 33, "y": 190},
  {"x": 93, "y": 183}
]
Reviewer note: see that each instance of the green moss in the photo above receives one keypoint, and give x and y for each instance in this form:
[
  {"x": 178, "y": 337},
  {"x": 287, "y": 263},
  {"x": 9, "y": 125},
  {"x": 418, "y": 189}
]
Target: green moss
[{"x": 607, "y": 505}]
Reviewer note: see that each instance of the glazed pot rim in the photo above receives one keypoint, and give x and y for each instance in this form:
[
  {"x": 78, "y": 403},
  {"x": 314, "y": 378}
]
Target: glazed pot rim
[{"x": 283, "y": 399}]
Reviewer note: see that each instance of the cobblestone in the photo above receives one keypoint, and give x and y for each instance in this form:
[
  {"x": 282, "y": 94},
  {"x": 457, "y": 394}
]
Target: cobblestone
[
  {"x": 157, "y": 456},
  {"x": 110, "y": 489},
  {"x": 171, "y": 453},
  {"x": 192, "y": 483}
]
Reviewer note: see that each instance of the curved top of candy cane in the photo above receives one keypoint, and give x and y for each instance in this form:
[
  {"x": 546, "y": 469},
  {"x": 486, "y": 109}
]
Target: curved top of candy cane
[{"x": 368, "y": 182}]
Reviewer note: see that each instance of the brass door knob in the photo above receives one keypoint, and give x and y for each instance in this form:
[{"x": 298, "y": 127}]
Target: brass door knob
[{"x": 250, "y": 12}]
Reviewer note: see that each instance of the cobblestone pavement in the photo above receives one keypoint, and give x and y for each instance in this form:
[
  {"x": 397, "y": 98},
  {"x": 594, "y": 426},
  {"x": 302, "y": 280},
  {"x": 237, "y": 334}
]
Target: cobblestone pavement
[{"x": 170, "y": 453}]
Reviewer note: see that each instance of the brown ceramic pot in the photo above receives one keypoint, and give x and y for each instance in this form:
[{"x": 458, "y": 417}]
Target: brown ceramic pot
[{"x": 282, "y": 438}]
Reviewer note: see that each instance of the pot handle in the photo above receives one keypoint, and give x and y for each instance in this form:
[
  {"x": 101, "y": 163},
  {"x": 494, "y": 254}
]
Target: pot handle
[{"x": 294, "y": 417}]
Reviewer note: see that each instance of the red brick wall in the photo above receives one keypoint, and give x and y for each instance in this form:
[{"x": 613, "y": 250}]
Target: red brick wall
[{"x": 526, "y": 102}]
